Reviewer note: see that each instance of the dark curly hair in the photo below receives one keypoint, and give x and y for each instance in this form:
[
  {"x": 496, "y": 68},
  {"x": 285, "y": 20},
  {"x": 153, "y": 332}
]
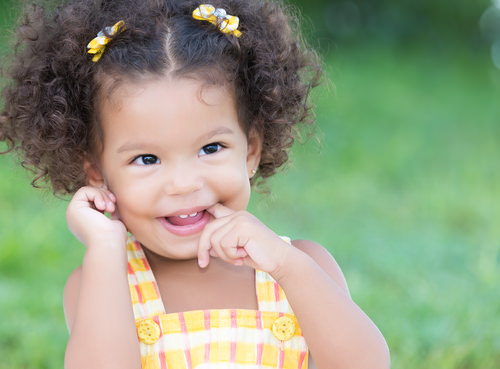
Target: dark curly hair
[{"x": 50, "y": 115}]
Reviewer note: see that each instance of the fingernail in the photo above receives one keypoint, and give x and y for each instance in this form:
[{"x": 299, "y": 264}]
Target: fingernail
[{"x": 201, "y": 263}]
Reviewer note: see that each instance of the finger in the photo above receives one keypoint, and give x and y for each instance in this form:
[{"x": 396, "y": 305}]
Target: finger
[
  {"x": 204, "y": 248},
  {"x": 97, "y": 198},
  {"x": 110, "y": 195},
  {"x": 209, "y": 245},
  {"x": 92, "y": 197},
  {"x": 240, "y": 256},
  {"x": 110, "y": 201},
  {"x": 241, "y": 252},
  {"x": 114, "y": 215},
  {"x": 205, "y": 244},
  {"x": 219, "y": 211},
  {"x": 227, "y": 244},
  {"x": 104, "y": 202},
  {"x": 203, "y": 257}
]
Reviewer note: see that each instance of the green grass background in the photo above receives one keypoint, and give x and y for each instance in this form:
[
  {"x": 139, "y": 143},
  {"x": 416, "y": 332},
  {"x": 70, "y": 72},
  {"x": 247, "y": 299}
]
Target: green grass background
[{"x": 403, "y": 188}]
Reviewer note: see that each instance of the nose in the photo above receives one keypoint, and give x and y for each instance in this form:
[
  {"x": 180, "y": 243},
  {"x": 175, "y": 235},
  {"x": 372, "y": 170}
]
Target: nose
[{"x": 181, "y": 179}]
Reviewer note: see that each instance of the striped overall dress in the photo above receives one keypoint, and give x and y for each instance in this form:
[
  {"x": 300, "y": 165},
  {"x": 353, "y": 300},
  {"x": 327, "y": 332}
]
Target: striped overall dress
[{"x": 269, "y": 337}]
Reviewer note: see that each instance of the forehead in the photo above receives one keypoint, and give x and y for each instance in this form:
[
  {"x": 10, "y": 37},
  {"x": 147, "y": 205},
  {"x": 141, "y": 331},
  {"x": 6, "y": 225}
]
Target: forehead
[
  {"x": 167, "y": 106},
  {"x": 190, "y": 90},
  {"x": 210, "y": 82}
]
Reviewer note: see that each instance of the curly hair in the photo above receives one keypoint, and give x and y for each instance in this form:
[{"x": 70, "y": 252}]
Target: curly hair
[{"x": 50, "y": 115}]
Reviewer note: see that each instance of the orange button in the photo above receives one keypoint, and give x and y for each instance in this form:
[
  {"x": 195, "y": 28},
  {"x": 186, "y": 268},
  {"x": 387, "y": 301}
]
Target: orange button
[
  {"x": 148, "y": 331},
  {"x": 284, "y": 328}
]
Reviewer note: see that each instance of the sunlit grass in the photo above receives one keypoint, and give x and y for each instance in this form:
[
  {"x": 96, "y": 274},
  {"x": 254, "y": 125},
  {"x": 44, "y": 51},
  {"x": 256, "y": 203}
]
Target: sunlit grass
[
  {"x": 404, "y": 193},
  {"x": 403, "y": 190}
]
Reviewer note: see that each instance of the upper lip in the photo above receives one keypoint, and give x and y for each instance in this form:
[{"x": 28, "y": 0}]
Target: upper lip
[{"x": 187, "y": 211}]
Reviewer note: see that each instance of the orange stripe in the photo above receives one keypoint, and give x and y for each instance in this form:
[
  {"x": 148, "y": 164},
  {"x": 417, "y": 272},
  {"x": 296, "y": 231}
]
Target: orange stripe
[
  {"x": 277, "y": 292},
  {"x": 260, "y": 345},
  {"x": 281, "y": 357},
  {"x": 185, "y": 333},
  {"x": 234, "y": 325},
  {"x": 206, "y": 315},
  {"x": 302, "y": 358}
]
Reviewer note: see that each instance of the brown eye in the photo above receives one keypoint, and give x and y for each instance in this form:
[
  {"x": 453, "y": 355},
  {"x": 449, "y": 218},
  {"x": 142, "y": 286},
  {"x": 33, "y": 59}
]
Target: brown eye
[
  {"x": 146, "y": 160},
  {"x": 210, "y": 149}
]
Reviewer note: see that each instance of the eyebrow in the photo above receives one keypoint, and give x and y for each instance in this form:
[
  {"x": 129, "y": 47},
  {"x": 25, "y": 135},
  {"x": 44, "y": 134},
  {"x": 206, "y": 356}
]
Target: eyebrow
[
  {"x": 132, "y": 146},
  {"x": 218, "y": 131}
]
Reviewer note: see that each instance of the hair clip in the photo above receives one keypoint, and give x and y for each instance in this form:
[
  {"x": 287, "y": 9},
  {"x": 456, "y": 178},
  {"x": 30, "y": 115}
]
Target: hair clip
[
  {"x": 98, "y": 44},
  {"x": 226, "y": 23}
]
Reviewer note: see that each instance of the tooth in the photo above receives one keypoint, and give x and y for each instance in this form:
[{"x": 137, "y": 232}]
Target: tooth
[
  {"x": 193, "y": 215},
  {"x": 183, "y": 216}
]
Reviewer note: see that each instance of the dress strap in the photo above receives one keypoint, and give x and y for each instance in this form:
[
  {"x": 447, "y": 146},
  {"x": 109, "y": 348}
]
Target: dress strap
[
  {"x": 270, "y": 295},
  {"x": 146, "y": 300}
]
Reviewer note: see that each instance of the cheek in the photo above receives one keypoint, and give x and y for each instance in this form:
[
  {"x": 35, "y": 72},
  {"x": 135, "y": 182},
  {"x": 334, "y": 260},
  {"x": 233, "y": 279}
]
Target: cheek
[
  {"x": 130, "y": 199},
  {"x": 234, "y": 189}
]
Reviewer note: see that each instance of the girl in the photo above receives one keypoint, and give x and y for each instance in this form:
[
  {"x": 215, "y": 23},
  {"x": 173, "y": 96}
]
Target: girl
[{"x": 162, "y": 113}]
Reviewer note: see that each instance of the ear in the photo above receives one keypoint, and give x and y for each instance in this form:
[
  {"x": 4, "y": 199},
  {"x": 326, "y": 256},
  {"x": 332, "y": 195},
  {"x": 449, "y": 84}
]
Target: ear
[
  {"x": 254, "y": 151},
  {"x": 94, "y": 176}
]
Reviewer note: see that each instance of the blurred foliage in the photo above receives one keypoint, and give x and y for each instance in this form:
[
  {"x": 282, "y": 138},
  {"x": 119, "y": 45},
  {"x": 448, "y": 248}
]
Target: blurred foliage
[
  {"x": 403, "y": 190},
  {"x": 394, "y": 21}
]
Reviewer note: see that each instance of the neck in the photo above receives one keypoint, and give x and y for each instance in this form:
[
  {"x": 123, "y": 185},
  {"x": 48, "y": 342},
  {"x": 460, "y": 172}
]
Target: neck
[
  {"x": 185, "y": 286},
  {"x": 188, "y": 266}
]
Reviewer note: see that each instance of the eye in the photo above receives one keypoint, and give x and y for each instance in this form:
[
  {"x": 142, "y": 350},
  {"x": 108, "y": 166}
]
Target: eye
[
  {"x": 146, "y": 160},
  {"x": 210, "y": 149}
]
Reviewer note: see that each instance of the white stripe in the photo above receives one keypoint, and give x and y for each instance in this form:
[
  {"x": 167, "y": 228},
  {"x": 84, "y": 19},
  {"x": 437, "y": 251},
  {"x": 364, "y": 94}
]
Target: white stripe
[
  {"x": 146, "y": 276},
  {"x": 175, "y": 341},
  {"x": 281, "y": 306},
  {"x": 150, "y": 308}
]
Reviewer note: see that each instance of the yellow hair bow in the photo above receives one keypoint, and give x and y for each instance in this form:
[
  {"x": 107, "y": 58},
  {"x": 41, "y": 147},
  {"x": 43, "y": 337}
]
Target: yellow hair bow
[
  {"x": 98, "y": 44},
  {"x": 226, "y": 23}
]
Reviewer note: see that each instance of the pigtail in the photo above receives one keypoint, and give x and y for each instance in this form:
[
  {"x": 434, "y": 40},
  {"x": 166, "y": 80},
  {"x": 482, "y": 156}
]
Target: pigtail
[
  {"x": 42, "y": 117},
  {"x": 278, "y": 74},
  {"x": 50, "y": 117}
]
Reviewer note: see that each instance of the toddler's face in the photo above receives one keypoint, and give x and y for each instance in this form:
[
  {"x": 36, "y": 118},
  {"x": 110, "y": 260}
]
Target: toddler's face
[{"x": 171, "y": 149}]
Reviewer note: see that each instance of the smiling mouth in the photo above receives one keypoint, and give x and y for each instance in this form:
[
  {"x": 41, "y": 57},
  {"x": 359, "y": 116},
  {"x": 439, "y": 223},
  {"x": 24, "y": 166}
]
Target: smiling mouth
[
  {"x": 185, "y": 219},
  {"x": 186, "y": 224}
]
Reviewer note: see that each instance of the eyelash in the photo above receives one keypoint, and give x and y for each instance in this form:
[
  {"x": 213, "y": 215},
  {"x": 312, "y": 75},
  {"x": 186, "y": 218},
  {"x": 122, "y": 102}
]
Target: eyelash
[
  {"x": 136, "y": 159},
  {"x": 219, "y": 147},
  {"x": 202, "y": 152}
]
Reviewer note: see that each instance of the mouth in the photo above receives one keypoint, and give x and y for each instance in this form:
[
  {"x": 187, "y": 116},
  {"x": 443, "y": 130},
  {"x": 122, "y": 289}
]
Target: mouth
[
  {"x": 187, "y": 224},
  {"x": 185, "y": 219}
]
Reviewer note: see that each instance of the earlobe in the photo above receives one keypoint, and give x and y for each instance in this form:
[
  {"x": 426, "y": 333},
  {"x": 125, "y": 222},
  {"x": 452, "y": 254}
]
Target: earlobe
[
  {"x": 254, "y": 152},
  {"x": 94, "y": 176}
]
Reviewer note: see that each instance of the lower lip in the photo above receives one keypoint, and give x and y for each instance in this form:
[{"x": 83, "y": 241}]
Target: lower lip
[{"x": 186, "y": 230}]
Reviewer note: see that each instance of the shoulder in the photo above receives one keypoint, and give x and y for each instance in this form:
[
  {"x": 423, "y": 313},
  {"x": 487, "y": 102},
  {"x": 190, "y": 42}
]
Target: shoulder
[
  {"x": 71, "y": 292},
  {"x": 324, "y": 259}
]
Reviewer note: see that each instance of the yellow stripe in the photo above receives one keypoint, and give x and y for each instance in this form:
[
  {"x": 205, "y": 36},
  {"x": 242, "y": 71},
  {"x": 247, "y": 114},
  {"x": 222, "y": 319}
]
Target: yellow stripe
[
  {"x": 197, "y": 355},
  {"x": 269, "y": 355},
  {"x": 131, "y": 245},
  {"x": 133, "y": 295},
  {"x": 246, "y": 353},
  {"x": 137, "y": 265},
  {"x": 175, "y": 359},
  {"x": 148, "y": 292}
]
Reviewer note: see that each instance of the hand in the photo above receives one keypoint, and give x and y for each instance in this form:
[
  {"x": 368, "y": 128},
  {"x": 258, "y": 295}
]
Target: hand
[
  {"x": 240, "y": 238},
  {"x": 87, "y": 221}
]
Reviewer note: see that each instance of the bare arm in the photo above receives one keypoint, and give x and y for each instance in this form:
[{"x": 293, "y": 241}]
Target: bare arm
[
  {"x": 338, "y": 333},
  {"x": 96, "y": 297}
]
